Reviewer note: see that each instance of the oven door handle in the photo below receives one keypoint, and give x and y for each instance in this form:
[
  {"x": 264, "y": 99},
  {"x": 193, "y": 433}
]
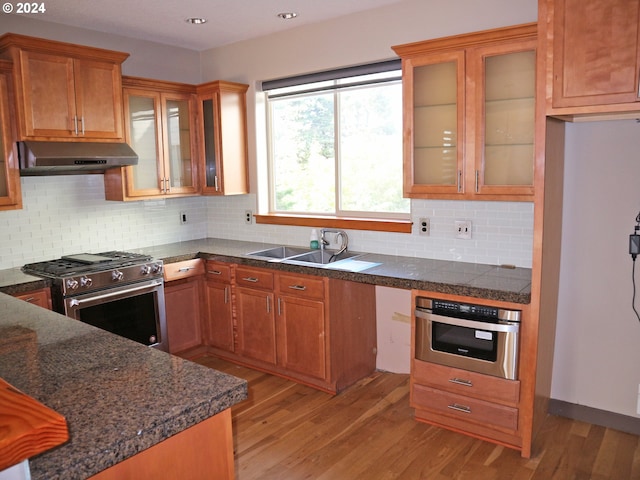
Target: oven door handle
[
  {"x": 147, "y": 287},
  {"x": 461, "y": 322}
]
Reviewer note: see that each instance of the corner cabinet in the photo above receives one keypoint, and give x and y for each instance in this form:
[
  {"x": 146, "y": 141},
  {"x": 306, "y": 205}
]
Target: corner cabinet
[
  {"x": 470, "y": 115},
  {"x": 10, "y": 192},
  {"x": 223, "y": 135},
  {"x": 593, "y": 56},
  {"x": 161, "y": 129},
  {"x": 64, "y": 91}
]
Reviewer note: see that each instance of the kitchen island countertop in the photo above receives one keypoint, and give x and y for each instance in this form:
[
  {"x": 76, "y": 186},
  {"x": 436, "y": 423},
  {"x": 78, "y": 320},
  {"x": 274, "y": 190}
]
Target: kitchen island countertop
[{"x": 118, "y": 397}]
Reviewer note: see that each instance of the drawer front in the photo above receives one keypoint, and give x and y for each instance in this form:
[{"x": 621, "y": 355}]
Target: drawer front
[
  {"x": 185, "y": 269},
  {"x": 301, "y": 286},
  {"x": 465, "y": 408},
  {"x": 463, "y": 382},
  {"x": 254, "y": 278},
  {"x": 219, "y": 272}
]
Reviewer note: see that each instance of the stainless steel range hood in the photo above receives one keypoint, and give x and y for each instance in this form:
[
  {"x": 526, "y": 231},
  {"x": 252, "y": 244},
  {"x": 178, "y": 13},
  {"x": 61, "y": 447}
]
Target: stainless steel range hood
[{"x": 68, "y": 158}]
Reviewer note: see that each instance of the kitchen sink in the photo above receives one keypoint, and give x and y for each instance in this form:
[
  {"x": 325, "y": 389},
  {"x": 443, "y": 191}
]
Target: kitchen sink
[
  {"x": 276, "y": 254},
  {"x": 321, "y": 257}
]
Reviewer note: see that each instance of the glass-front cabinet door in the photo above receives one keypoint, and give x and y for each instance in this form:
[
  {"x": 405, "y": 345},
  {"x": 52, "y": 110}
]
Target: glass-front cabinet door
[
  {"x": 160, "y": 130},
  {"x": 179, "y": 149},
  {"x": 10, "y": 194},
  {"x": 505, "y": 141},
  {"x": 434, "y": 159},
  {"x": 470, "y": 115}
]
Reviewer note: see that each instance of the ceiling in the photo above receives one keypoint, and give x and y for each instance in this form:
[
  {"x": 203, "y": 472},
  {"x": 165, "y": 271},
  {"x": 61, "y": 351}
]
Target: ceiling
[{"x": 228, "y": 21}]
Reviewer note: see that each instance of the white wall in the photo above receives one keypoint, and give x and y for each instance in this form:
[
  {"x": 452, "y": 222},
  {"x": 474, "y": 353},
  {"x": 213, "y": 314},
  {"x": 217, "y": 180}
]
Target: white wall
[{"x": 597, "y": 352}]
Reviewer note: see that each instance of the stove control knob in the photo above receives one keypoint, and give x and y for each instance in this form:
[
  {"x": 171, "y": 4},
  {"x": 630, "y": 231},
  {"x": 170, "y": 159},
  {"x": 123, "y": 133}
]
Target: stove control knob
[
  {"x": 146, "y": 270},
  {"x": 157, "y": 268},
  {"x": 72, "y": 284},
  {"x": 117, "y": 275},
  {"x": 86, "y": 282}
]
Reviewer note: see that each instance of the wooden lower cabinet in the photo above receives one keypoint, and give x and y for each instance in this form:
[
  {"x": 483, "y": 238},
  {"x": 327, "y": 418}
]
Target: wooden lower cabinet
[
  {"x": 201, "y": 452},
  {"x": 312, "y": 329},
  {"x": 481, "y": 405},
  {"x": 219, "y": 326},
  {"x": 301, "y": 325},
  {"x": 40, "y": 297},
  {"x": 182, "y": 296}
]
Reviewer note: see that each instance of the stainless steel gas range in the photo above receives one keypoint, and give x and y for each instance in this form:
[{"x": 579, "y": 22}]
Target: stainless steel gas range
[{"x": 120, "y": 292}]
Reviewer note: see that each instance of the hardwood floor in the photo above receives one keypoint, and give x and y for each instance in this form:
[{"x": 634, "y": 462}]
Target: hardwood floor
[{"x": 287, "y": 431}]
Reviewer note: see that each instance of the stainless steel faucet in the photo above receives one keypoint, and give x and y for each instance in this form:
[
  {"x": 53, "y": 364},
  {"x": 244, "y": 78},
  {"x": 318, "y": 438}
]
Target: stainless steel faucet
[{"x": 341, "y": 233}]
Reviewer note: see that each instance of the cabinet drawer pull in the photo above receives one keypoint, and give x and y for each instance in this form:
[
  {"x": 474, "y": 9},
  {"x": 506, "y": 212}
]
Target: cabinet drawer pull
[
  {"x": 250, "y": 279},
  {"x": 297, "y": 287},
  {"x": 30, "y": 299},
  {"x": 461, "y": 381},
  {"x": 459, "y": 408},
  {"x": 185, "y": 269},
  {"x": 214, "y": 272}
]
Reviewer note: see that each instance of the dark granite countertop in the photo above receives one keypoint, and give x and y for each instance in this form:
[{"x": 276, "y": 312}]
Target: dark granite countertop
[
  {"x": 490, "y": 282},
  {"x": 117, "y": 396}
]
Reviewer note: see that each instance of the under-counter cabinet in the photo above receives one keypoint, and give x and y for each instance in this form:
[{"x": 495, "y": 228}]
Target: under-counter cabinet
[
  {"x": 40, "y": 297},
  {"x": 593, "y": 56},
  {"x": 301, "y": 324},
  {"x": 183, "y": 297},
  {"x": 10, "y": 191},
  {"x": 469, "y": 115},
  {"x": 219, "y": 329},
  {"x": 255, "y": 314},
  {"x": 65, "y": 91},
  {"x": 311, "y": 329},
  {"x": 223, "y": 130},
  {"x": 161, "y": 129}
]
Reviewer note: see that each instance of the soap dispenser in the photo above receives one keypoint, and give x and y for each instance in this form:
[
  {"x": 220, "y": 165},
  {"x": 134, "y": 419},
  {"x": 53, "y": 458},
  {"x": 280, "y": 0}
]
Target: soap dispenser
[{"x": 314, "y": 243}]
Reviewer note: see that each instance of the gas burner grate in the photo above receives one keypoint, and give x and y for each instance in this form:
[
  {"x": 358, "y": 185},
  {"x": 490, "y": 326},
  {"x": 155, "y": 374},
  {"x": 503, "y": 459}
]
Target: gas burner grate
[{"x": 64, "y": 267}]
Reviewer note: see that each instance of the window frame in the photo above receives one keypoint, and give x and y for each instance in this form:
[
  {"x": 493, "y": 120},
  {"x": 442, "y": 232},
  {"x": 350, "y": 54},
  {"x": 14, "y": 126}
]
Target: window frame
[{"x": 377, "y": 221}]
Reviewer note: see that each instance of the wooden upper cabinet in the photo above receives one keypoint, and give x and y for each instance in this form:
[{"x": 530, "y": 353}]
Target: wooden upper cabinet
[
  {"x": 593, "y": 55},
  {"x": 10, "y": 192},
  {"x": 470, "y": 115},
  {"x": 161, "y": 128},
  {"x": 64, "y": 91},
  {"x": 223, "y": 135}
]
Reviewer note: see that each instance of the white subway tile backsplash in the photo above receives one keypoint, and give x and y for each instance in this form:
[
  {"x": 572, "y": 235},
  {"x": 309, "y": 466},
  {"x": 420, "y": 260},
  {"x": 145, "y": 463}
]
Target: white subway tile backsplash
[{"x": 68, "y": 214}]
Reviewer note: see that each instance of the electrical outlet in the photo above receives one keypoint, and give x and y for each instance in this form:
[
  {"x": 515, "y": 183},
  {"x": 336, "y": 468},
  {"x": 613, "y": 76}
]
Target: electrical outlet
[
  {"x": 183, "y": 217},
  {"x": 424, "y": 227},
  {"x": 248, "y": 217},
  {"x": 463, "y": 229}
]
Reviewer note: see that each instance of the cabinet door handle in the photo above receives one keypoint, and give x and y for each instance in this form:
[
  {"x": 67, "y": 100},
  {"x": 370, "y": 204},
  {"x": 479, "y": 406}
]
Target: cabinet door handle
[
  {"x": 268, "y": 304},
  {"x": 459, "y": 181},
  {"x": 82, "y": 121},
  {"x": 297, "y": 287},
  {"x": 461, "y": 381},
  {"x": 226, "y": 295},
  {"x": 477, "y": 179},
  {"x": 459, "y": 408},
  {"x": 279, "y": 306},
  {"x": 215, "y": 182},
  {"x": 250, "y": 279},
  {"x": 167, "y": 189},
  {"x": 75, "y": 124}
]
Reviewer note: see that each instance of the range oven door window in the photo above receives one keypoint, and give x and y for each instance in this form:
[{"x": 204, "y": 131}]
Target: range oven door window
[{"x": 135, "y": 312}]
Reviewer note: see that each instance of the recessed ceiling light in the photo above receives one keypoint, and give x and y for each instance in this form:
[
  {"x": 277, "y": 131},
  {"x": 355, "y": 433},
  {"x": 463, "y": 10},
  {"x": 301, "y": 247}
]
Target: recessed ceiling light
[
  {"x": 287, "y": 15},
  {"x": 196, "y": 20}
]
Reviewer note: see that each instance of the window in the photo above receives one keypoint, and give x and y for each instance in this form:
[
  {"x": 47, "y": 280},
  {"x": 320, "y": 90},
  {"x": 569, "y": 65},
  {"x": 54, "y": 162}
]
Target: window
[{"x": 335, "y": 144}]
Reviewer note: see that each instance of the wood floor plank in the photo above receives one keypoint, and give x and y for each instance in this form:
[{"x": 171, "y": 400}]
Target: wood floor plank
[{"x": 287, "y": 431}]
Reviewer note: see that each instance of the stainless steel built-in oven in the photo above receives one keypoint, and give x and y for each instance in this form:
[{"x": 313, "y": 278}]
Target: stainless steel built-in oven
[
  {"x": 120, "y": 292},
  {"x": 131, "y": 311},
  {"x": 477, "y": 338}
]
